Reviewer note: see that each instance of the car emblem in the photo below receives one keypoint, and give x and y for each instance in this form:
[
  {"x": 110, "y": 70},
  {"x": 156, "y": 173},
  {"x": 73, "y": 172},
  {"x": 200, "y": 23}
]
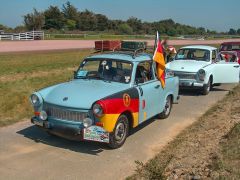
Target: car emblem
[
  {"x": 126, "y": 99},
  {"x": 65, "y": 98},
  {"x": 182, "y": 67}
]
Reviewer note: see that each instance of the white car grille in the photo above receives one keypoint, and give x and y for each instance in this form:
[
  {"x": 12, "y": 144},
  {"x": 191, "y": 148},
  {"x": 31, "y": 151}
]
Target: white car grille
[
  {"x": 61, "y": 113},
  {"x": 182, "y": 75}
]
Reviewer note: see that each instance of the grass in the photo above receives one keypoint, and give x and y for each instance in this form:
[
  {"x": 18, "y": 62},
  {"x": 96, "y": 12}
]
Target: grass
[
  {"x": 208, "y": 149},
  {"x": 23, "y": 73}
]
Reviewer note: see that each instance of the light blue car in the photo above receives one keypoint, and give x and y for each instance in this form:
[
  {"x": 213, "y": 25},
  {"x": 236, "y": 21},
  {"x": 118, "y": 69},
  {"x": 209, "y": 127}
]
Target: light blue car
[
  {"x": 110, "y": 94},
  {"x": 200, "y": 67}
]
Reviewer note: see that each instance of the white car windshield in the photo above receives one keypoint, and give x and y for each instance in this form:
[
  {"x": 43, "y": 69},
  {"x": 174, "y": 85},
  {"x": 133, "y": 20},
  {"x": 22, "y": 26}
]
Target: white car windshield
[
  {"x": 193, "y": 54},
  {"x": 105, "y": 69}
]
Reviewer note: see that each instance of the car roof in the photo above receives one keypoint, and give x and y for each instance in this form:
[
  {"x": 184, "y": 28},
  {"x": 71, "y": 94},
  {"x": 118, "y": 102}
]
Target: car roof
[
  {"x": 236, "y": 42},
  {"x": 123, "y": 56},
  {"x": 210, "y": 48}
]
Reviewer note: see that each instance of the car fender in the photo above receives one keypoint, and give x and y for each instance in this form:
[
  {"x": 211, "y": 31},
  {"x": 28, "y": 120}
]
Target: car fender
[
  {"x": 209, "y": 72},
  {"x": 118, "y": 103}
]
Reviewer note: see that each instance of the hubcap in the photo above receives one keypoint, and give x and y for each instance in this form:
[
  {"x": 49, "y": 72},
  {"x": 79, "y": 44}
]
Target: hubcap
[
  {"x": 120, "y": 131},
  {"x": 167, "y": 106},
  {"x": 208, "y": 86}
]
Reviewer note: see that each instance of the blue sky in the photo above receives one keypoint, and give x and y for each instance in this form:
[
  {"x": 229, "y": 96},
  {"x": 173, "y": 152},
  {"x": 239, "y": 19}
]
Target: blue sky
[{"x": 217, "y": 15}]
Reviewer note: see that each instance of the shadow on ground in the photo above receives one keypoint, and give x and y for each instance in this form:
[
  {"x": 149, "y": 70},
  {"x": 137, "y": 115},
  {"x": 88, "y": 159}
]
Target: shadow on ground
[
  {"x": 197, "y": 92},
  {"x": 40, "y": 136},
  {"x": 93, "y": 148}
]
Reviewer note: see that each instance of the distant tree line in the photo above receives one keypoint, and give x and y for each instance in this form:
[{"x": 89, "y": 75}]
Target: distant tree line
[{"x": 68, "y": 18}]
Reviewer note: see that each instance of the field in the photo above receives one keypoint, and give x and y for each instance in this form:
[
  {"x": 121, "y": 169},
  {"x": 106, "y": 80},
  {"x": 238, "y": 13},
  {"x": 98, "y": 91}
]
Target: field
[
  {"x": 23, "y": 73},
  {"x": 208, "y": 149}
]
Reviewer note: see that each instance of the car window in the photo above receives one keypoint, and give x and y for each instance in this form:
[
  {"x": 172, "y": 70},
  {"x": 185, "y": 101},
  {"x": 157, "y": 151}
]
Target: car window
[
  {"x": 214, "y": 55},
  {"x": 144, "y": 72},
  {"x": 236, "y": 47},
  {"x": 193, "y": 54},
  {"x": 228, "y": 57},
  {"x": 105, "y": 69}
]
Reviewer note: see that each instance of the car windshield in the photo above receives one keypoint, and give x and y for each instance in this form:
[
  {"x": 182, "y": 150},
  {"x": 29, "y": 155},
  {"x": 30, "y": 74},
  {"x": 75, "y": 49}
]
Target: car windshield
[
  {"x": 193, "y": 54},
  {"x": 105, "y": 69}
]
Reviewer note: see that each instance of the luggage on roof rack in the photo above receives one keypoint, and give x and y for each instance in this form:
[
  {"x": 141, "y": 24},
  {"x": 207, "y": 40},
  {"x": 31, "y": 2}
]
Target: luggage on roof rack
[
  {"x": 133, "y": 45},
  {"x": 107, "y": 45}
]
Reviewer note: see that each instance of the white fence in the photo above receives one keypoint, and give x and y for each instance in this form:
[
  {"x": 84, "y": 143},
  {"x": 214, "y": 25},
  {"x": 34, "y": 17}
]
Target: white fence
[{"x": 32, "y": 35}]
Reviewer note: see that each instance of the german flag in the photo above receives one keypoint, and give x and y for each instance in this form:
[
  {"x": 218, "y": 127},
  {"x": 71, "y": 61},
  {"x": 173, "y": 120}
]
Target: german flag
[{"x": 158, "y": 57}]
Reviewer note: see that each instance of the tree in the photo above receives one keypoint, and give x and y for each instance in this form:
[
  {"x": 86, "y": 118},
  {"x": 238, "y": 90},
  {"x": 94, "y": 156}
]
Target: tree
[
  {"x": 69, "y": 11},
  {"x": 125, "y": 29},
  {"x": 232, "y": 32},
  {"x": 54, "y": 18},
  {"x": 102, "y": 22},
  {"x": 135, "y": 24},
  {"x": 5, "y": 28},
  {"x": 87, "y": 21},
  {"x": 71, "y": 24},
  {"x": 20, "y": 28},
  {"x": 35, "y": 20},
  {"x": 238, "y": 31}
]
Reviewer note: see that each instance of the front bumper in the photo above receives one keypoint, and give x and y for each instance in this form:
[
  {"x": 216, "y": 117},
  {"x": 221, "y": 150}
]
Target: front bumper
[
  {"x": 190, "y": 83},
  {"x": 72, "y": 131}
]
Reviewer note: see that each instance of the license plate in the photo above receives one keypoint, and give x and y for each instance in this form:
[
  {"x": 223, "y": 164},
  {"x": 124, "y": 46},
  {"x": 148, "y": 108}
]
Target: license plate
[
  {"x": 39, "y": 123},
  {"x": 96, "y": 133}
]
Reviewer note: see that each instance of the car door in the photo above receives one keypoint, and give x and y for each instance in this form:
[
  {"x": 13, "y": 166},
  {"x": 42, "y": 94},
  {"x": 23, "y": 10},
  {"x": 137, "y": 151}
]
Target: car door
[
  {"x": 150, "y": 92},
  {"x": 226, "y": 72}
]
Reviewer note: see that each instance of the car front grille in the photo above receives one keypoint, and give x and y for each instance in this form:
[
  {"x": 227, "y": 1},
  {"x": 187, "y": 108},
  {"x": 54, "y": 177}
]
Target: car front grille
[
  {"x": 185, "y": 75},
  {"x": 62, "y": 113}
]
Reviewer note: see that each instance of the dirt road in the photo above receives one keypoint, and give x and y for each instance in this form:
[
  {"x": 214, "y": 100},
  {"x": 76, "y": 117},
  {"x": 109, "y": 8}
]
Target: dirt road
[
  {"x": 26, "y": 152},
  {"x": 48, "y": 45}
]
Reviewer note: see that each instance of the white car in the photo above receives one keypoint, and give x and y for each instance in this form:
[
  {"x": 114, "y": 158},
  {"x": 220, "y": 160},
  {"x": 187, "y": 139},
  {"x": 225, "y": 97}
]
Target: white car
[{"x": 200, "y": 67}]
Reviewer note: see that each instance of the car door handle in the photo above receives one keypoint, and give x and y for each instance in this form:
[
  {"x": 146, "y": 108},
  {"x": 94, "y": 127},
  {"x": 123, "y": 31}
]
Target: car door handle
[
  {"x": 237, "y": 66},
  {"x": 157, "y": 86}
]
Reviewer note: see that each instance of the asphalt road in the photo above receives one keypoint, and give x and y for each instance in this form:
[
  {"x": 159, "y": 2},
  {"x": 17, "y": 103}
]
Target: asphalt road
[{"x": 26, "y": 152}]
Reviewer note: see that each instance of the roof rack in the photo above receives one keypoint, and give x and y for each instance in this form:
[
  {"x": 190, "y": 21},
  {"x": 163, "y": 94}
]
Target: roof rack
[{"x": 131, "y": 52}]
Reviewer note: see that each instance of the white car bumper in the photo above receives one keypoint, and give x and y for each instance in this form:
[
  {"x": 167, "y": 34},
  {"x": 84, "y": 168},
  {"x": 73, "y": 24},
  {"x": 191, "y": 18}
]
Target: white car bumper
[{"x": 189, "y": 83}]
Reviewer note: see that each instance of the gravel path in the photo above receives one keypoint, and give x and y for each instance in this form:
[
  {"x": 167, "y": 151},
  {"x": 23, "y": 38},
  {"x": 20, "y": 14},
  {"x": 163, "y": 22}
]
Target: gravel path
[{"x": 48, "y": 45}]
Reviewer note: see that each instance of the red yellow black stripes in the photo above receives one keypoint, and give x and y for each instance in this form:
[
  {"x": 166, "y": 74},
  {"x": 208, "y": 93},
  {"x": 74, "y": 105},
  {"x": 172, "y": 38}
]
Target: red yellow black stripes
[{"x": 118, "y": 103}]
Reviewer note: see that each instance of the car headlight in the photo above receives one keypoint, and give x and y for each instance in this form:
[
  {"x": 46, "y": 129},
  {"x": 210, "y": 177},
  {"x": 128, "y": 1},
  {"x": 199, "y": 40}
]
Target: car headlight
[
  {"x": 169, "y": 73},
  {"x": 87, "y": 122},
  {"x": 43, "y": 115},
  {"x": 36, "y": 100},
  {"x": 97, "y": 110},
  {"x": 201, "y": 74}
]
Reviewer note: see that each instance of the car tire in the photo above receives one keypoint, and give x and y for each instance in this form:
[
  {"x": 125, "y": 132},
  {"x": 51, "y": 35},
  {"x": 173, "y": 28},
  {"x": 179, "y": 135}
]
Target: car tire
[
  {"x": 207, "y": 87},
  {"x": 167, "y": 108},
  {"x": 120, "y": 132}
]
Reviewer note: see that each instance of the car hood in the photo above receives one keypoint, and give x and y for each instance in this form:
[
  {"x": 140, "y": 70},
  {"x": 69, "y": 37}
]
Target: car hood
[
  {"x": 186, "y": 65},
  {"x": 81, "y": 93}
]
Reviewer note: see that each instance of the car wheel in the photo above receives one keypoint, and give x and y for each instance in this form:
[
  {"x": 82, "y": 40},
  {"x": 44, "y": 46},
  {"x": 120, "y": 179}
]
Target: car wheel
[
  {"x": 167, "y": 108},
  {"x": 207, "y": 87},
  {"x": 120, "y": 132}
]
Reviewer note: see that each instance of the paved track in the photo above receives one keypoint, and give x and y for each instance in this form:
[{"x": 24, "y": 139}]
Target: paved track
[
  {"x": 48, "y": 45},
  {"x": 29, "y": 153}
]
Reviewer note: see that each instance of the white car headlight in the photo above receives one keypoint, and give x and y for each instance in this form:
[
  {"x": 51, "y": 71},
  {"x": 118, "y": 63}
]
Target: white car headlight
[
  {"x": 35, "y": 100},
  {"x": 97, "y": 110},
  {"x": 43, "y": 115},
  {"x": 87, "y": 122},
  {"x": 201, "y": 74}
]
